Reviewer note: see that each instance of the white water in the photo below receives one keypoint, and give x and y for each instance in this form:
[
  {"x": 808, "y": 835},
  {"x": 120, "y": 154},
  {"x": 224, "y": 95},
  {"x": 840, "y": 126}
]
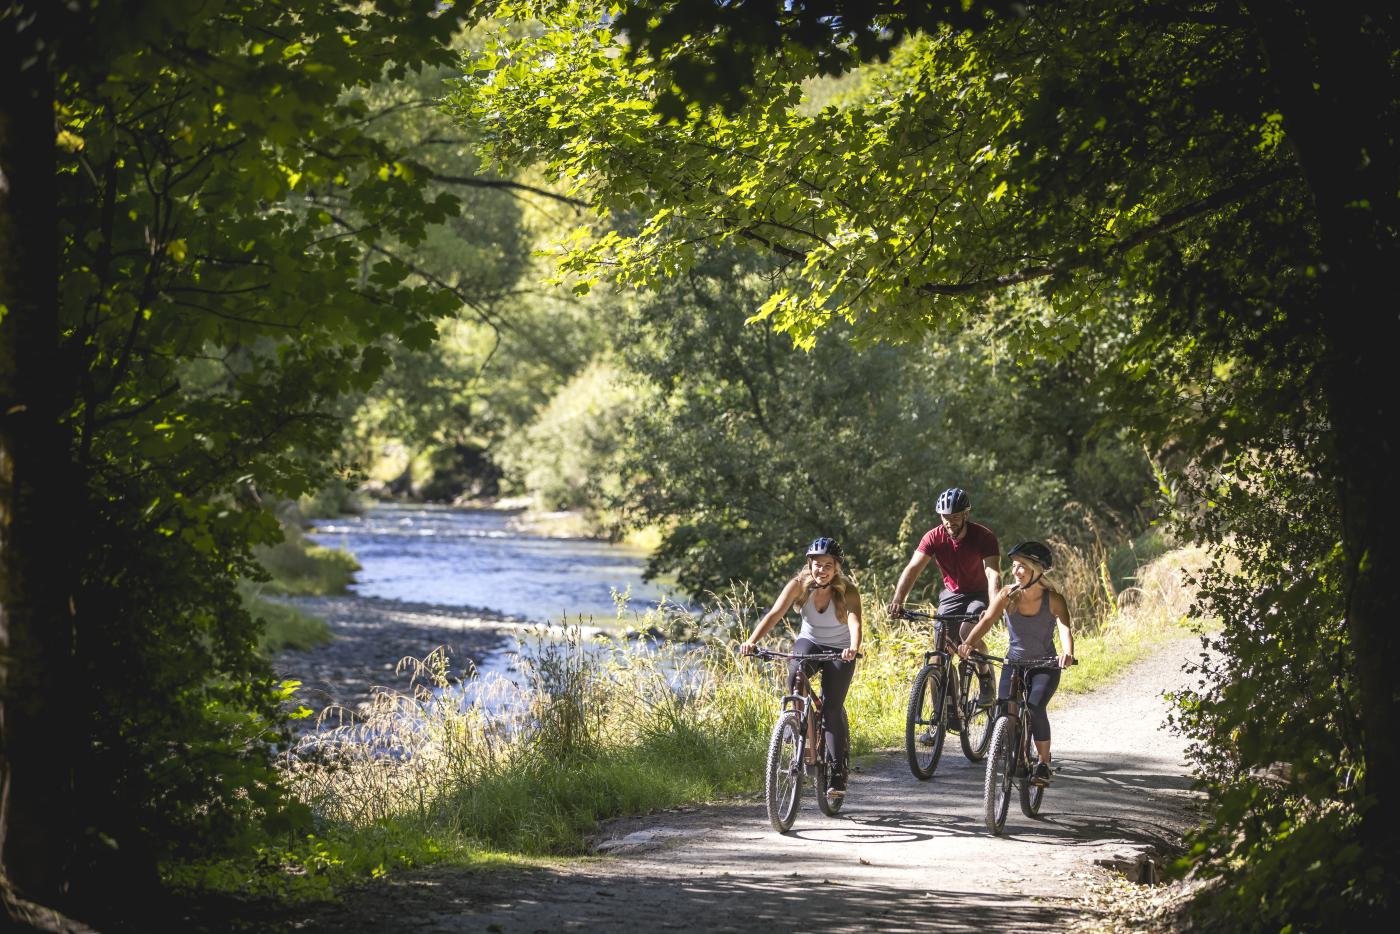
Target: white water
[{"x": 471, "y": 558}]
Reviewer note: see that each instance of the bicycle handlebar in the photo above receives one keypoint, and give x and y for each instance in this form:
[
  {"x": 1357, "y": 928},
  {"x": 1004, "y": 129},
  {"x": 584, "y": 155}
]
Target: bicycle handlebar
[
  {"x": 906, "y": 613},
  {"x": 1052, "y": 661},
  {"x": 811, "y": 657}
]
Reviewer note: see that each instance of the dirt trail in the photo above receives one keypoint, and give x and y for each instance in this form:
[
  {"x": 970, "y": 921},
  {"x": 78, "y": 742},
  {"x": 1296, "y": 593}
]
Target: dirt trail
[{"x": 902, "y": 856}]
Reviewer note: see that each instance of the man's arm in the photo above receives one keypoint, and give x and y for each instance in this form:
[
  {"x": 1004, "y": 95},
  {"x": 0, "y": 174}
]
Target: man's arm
[{"x": 907, "y": 578}]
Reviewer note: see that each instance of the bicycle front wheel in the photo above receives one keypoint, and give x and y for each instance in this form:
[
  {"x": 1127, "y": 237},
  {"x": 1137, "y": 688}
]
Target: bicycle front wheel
[
  {"x": 977, "y": 729},
  {"x": 1001, "y": 765},
  {"x": 924, "y": 722},
  {"x": 783, "y": 778}
]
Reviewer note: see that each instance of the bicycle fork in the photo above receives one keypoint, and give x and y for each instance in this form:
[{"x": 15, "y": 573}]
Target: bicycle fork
[{"x": 813, "y": 727}]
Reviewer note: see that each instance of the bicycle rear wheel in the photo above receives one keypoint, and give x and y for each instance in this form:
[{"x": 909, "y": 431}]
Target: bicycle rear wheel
[
  {"x": 783, "y": 776},
  {"x": 1031, "y": 793},
  {"x": 1001, "y": 764},
  {"x": 828, "y": 806},
  {"x": 977, "y": 728},
  {"x": 924, "y": 722}
]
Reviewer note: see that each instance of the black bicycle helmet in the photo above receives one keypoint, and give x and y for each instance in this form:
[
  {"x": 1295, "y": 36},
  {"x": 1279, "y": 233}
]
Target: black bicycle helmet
[
  {"x": 1036, "y": 552},
  {"x": 824, "y": 546},
  {"x": 953, "y": 499}
]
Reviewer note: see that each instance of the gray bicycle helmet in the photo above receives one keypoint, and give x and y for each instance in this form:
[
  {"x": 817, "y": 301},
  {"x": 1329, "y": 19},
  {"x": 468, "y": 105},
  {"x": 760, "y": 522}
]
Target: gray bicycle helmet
[
  {"x": 953, "y": 499},
  {"x": 1036, "y": 552},
  {"x": 824, "y": 546}
]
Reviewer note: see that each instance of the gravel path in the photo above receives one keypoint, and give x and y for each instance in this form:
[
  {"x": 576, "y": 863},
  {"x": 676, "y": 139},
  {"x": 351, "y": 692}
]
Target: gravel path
[{"x": 902, "y": 856}]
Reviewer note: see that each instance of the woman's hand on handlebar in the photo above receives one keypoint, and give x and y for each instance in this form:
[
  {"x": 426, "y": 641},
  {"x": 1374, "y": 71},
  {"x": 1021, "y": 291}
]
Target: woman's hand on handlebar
[
  {"x": 748, "y": 648},
  {"x": 965, "y": 650},
  {"x": 849, "y": 655},
  {"x": 1066, "y": 660}
]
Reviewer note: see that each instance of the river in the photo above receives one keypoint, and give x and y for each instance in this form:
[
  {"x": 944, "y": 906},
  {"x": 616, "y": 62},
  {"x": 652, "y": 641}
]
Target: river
[{"x": 461, "y": 557}]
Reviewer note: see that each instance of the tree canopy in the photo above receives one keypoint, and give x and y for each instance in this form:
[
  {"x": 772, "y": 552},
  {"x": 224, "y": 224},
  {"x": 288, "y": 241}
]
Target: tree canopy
[
  {"x": 1209, "y": 190},
  {"x": 198, "y": 227}
]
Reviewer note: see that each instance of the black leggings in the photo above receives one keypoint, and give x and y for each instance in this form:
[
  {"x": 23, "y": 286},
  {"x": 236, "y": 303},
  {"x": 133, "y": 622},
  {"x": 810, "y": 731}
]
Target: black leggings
[
  {"x": 836, "y": 681},
  {"x": 1040, "y": 687}
]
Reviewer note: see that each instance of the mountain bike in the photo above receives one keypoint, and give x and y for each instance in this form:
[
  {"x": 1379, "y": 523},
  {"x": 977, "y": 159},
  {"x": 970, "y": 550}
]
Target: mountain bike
[
  {"x": 797, "y": 748},
  {"x": 1013, "y": 757},
  {"x": 940, "y": 704}
]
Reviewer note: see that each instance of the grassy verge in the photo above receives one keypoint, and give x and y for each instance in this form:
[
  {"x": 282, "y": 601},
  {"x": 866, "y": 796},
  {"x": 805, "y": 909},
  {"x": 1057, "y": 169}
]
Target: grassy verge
[
  {"x": 283, "y": 626},
  {"x": 296, "y": 567},
  {"x": 521, "y": 771}
]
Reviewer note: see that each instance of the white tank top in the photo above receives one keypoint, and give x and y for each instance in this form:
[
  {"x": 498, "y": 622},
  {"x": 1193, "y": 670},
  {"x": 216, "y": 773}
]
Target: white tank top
[{"x": 823, "y": 627}]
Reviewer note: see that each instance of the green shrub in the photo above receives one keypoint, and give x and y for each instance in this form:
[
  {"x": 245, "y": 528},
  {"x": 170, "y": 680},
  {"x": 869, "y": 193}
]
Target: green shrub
[
  {"x": 336, "y": 498},
  {"x": 297, "y": 566}
]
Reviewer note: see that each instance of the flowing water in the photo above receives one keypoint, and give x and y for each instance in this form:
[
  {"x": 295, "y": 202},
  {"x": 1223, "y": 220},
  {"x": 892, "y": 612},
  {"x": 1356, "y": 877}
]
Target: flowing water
[{"x": 473, "y": 558}]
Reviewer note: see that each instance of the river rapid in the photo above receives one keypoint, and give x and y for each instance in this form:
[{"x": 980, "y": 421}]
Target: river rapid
[{"x": 479, "y": 558}]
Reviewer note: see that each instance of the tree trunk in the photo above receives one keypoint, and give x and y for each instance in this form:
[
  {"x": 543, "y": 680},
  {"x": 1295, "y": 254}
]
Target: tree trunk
[
  {"x": 36, "y": 617},
  {"x": 1336, "y": 91}
]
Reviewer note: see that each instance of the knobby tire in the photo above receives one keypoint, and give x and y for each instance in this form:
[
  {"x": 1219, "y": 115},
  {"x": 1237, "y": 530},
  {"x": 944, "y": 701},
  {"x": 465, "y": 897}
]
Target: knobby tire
[
  {"x": 977, "y": 725},
  {"x": 925, "y": 716},
  {"x": 828, "y": 807},
  {"x": 783, "y": 775},
  {"x": 1031, "y": 793},
  {"x": 1001, "y": 764}
]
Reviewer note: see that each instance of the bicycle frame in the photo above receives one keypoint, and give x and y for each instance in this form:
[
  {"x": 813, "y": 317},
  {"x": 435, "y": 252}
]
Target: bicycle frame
[
  {"x": 939, "y": 700},
  {"x": 1014, "y": 767},
  {"x": 807, "y": 705},
  {"x": 799, "y": 730}
]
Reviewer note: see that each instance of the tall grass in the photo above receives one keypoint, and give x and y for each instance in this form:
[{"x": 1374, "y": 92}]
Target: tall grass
[
  {"x": 1116, "y": 618},
  {"x": 589, "y": 729}
]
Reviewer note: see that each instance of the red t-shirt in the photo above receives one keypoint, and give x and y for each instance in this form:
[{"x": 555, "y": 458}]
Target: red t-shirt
[{"x": 961, "y": 561}]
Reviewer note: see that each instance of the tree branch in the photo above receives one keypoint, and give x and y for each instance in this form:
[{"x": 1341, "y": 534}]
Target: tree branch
[{"x": 475, "y": 182}]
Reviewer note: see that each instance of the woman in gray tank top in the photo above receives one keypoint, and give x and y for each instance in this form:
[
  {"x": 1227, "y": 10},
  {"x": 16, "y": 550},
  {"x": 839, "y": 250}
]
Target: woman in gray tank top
[
  {"x": 829, "y": 604},
  {"x": 1033, "y": 611}
]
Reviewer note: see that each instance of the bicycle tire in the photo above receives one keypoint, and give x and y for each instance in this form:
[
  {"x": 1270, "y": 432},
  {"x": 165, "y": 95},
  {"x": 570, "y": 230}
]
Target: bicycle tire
[
  {"x": 977, "y": 727},
  {"x": 1031, "y": 793},
  {"x": 823, "y": 778},
  {"x": 1001, "y": 765},
  {"x": 924, "y": 721},
  {"x": 782, "y": 784}
]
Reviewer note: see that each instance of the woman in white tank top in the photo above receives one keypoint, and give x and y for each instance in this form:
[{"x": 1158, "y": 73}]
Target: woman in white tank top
[{"x": 829, "y": 604}]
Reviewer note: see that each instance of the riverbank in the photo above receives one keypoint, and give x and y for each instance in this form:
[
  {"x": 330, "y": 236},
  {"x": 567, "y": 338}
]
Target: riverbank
[{"x": 370, "y": 637}]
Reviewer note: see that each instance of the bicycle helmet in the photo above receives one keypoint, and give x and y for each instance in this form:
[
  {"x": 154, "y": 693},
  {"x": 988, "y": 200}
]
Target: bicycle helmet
[
  {"x": 953, "y": 499},
  {"x": 1036, "y": 552},
  {"x": 824, "y": 546}
]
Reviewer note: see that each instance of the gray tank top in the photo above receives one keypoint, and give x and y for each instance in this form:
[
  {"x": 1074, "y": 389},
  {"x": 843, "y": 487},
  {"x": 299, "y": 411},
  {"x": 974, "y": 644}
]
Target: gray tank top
[
  {"x": 1032, "y": 636},
  {"x": 823, "y": 627}
]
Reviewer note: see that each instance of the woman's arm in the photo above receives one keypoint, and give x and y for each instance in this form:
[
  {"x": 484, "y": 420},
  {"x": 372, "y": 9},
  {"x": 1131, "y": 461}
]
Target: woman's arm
[
  {"x": 853, "y": 622},
  {"x": 1060, "y": 609},
  {"x": 984, "y": 623},
  {"x": 780, "y": 606}
]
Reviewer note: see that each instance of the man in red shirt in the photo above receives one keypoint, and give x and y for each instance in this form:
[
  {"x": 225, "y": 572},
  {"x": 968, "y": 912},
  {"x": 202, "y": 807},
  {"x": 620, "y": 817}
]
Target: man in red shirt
[{"x": 969, "y": 557}]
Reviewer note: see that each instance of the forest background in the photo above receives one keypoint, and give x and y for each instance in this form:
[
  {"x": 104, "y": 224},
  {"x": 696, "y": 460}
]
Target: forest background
[{"x": 735, "y": 276}]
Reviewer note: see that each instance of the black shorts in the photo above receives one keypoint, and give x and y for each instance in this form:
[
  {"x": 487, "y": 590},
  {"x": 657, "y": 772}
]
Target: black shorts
[{"x": 960, "y": 602}]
